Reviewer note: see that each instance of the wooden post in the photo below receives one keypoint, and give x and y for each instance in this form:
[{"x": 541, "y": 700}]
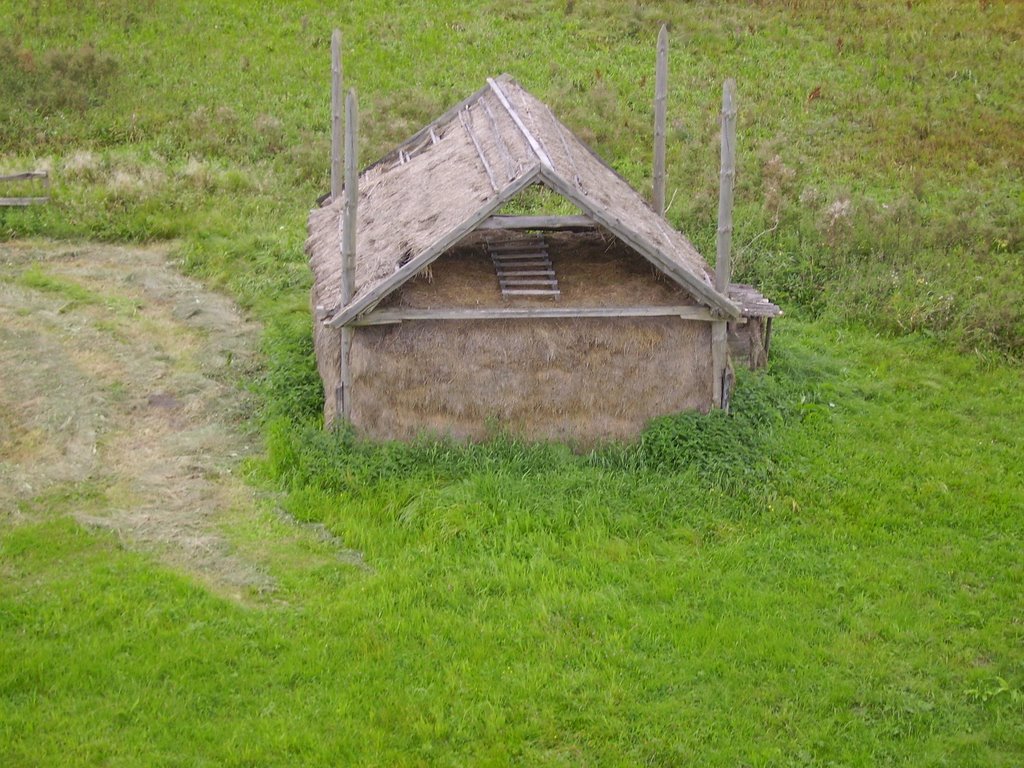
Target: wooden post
[
  {"x": 348, "y": 249},
  {"x": 723, "y": 259},
  {"x": 336, "y": 107},
  {"x": 660, "y": 101},
  {"x": 348, "y": 243}
]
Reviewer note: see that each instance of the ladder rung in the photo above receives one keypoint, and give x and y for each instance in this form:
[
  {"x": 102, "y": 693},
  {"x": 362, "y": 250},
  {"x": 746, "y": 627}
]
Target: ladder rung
[
  {"x": 526, "y": 273},
  {"x": 530, "y": 292},
  {"x": 517, "y": 248},
  {"x": 530, "y": 281},
  {"x": 520, "y": 256},
  {"x": 536, "y": 264}
]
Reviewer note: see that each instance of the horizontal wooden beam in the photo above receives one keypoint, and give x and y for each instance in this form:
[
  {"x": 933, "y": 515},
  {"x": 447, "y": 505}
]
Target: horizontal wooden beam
[
  {"x": 539, "y": 222},
  {"x": 25, "y": 175},
  {"x": 23, "y": 201},
  {"x": 388, "y": 317}
]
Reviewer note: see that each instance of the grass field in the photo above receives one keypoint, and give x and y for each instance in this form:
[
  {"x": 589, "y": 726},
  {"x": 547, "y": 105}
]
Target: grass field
[{"x": 828, "y": 576}]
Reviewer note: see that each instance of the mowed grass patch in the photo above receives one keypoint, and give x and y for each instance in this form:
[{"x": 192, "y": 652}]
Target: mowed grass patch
[{"x": 851, "y": 600}]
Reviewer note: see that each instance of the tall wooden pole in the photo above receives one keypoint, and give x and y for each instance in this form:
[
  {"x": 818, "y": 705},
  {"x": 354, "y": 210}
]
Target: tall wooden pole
[
  {"x": 336, "y": 108},
  {"x": 727, "y": 178},
  {"x": 348, "y": 242},
  {"x": 723, "y": 259},
  {"x": 348, "y": 249},
  {"x": 660, "y": 102}
]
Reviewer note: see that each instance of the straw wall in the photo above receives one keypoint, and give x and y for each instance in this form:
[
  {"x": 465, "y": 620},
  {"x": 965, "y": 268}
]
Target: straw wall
[{"x": 574, "y": 380}]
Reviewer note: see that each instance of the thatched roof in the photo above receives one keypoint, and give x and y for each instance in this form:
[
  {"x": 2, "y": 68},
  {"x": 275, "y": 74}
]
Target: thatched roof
[
  {"x": 752, "y": 302},
  {"x": 428, "y": 193}
]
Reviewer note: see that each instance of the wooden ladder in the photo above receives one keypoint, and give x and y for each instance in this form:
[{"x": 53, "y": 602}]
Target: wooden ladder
[{"x": 524, "y": 267}]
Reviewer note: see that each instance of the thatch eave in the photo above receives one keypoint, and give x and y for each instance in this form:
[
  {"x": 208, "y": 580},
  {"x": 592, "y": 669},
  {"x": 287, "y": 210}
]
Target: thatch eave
[
  {"x": 488, "y": 147},
  {"x": 702, "y": 291},
  {"x": 370, "y": 299}
]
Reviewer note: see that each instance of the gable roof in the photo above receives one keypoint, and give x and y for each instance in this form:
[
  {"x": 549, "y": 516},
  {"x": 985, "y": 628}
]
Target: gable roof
[{"x": 432, "y": 190}]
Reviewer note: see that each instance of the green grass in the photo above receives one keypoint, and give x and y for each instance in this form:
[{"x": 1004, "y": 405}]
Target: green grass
[
  {"x": 828, "y": 576},
  {"x": 847, "y": 594}
]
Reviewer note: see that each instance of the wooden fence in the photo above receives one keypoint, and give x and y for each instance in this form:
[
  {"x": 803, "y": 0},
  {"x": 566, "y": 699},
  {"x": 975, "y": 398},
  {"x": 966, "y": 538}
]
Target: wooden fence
[{"x": 42, "y": 176}]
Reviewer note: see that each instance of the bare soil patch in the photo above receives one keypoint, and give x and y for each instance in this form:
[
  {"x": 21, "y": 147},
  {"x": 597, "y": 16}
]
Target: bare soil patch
[{"x": 121, "y": 376}]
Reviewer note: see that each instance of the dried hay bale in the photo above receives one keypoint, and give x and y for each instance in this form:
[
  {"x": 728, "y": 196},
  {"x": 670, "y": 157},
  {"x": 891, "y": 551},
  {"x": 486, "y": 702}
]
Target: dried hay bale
[{"x": 574, "y": 380}]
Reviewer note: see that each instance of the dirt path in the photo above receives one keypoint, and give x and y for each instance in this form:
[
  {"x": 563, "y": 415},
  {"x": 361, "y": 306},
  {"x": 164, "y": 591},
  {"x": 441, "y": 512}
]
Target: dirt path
[{"x": 119, "y": 398}]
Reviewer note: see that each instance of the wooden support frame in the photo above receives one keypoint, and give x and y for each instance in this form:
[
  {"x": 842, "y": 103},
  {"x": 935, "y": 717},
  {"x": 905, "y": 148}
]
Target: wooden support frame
[
  {"x": 389, "y": 317},
  {"x": 19, "y": 202},
  {"x": 660, "y": 105},
  {"x": 552, "y": 223},
  {"x": 479, "y": 150},
  {"x": 336, "y": 109},
  {"x": 538, "y": 150},
  {"x": 348, "y": 249},
  {"x": 723, "y": 260}
]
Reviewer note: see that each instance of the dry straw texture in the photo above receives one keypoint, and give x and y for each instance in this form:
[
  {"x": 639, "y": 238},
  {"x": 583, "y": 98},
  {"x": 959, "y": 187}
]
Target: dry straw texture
[
  {"x": 406, "y": 207},
  {"x": 577, "y": 380},
  {"x": 574, "y": 380}
]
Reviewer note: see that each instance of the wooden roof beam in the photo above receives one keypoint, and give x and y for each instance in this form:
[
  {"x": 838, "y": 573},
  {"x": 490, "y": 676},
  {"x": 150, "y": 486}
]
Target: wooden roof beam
[{"x": 552, "y": 223}]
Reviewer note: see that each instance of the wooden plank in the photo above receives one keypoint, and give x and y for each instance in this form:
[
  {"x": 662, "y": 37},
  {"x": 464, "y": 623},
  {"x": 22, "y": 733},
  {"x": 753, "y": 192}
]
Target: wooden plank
[
  {"x": 727, "y": 177},
  {"x": 348, "y": 247},
  {"x": 336, "y": 107},
  {"x": 660, "y": 102},
  {"x": 616, "y": 226},
  {"x": 719, "y": 356},
  {"x": 387, "y": 317},
  {"x": 559, "y": 130},
  {"x": 526, "y": 273},
  {"x": 719, "y": 332},
  {"x": 521, "y": 261},
  {"x": 23, "y": 201},
  {"x": 512, "y": 258},
  {"x": 510, "y": 165},
  {"x": 538, "y": 150},
  {"x": 528, "y": 292},
  {"x": 25, "y": 175},
  {"x": 513, "y": 248},
  {"x": 343, "y": 393},
  {"x": 427, "y": 256},
  {"x": 553, "y": 223},
  {"x": 523, "y": 110},
  {"x": 479, "y": 151},
  {"x": 551, "y": 282},
  {"x": 423, "y": 132},
  {"x": 350, "y": 213}
]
